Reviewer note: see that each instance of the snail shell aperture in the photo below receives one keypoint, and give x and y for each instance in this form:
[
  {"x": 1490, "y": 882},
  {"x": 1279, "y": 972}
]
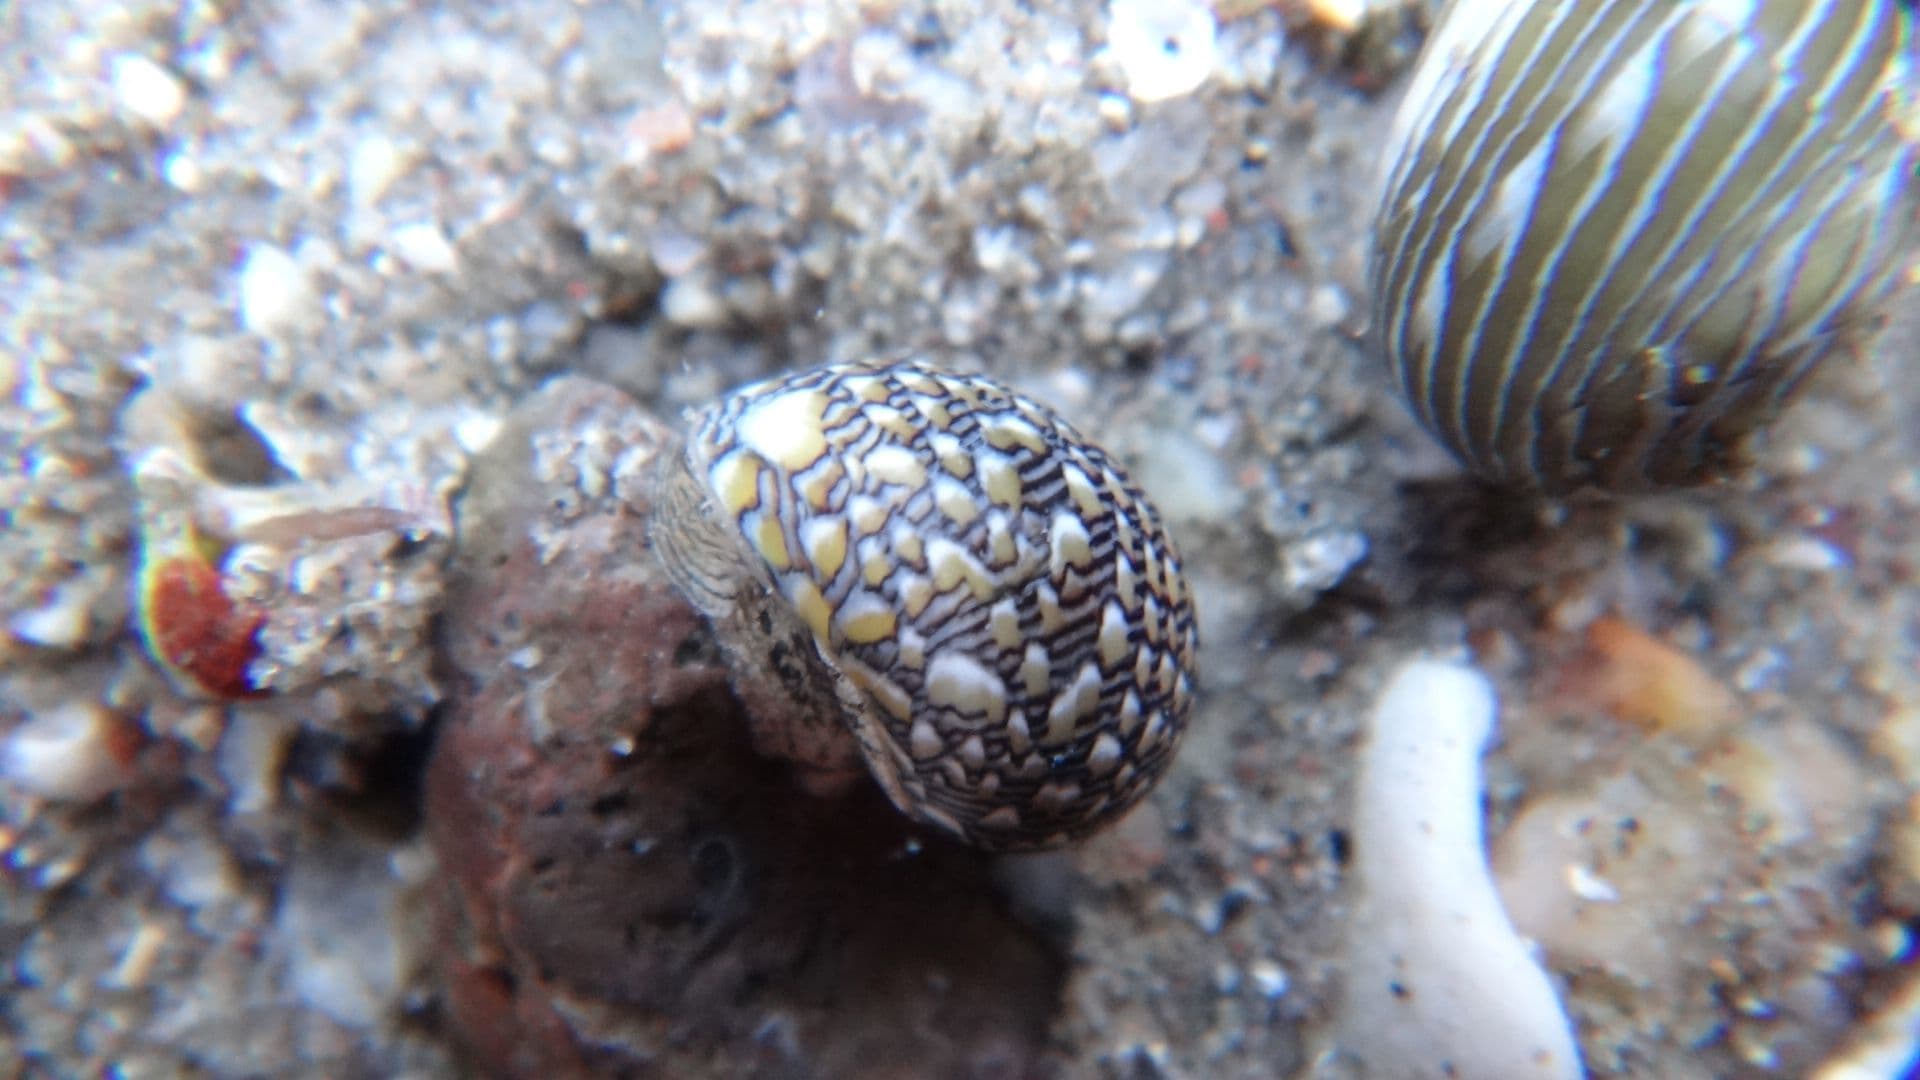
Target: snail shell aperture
[
  {"x": 950, "y": 572},
  {"x": 1615, "y": 237}
]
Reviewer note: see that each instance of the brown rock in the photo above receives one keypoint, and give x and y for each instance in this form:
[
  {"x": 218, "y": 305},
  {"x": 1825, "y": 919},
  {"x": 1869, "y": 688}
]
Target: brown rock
[{"x": 631, "y": 890}]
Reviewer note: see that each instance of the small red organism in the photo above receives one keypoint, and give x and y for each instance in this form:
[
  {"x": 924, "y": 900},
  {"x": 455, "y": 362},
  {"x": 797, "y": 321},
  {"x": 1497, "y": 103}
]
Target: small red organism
[{"x": 195, "y": 629}]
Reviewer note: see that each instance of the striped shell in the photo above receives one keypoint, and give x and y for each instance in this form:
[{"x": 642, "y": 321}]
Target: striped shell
[
  {"x": 1005, "y": 624},
  {"x": 1615, "y": 236}
]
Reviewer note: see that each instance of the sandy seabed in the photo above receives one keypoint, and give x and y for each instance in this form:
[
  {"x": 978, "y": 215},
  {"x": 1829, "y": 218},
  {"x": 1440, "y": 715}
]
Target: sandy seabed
[{"x": 371, "y": 314}]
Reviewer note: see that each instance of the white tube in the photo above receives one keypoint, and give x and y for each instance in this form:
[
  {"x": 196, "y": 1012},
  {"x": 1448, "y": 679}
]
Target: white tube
[{"x": 1438, "y": 983}]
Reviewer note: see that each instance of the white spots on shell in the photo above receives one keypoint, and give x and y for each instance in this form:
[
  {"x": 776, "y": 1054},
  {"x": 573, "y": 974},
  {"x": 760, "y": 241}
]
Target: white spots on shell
[
  {"x": 1105, "y": 756},
  {"x": 1003, "y": 622},
  {"x": 865, "y": 619},
  {"x": 868, "y": 514},
  {"x": 1152, "y": 620},
  {"x": 916, "y": 595},
  {"x": 1156, "y": 729},
  {"x": 1003, "y": 550},
  {"x": 784, "y": 428},
  {"x": 825, "y": 542},
  {"x": 1143, "y": 666},
  {"x": 1164, "y": 676},
  {"x": 999, "y": 479},
  {"x": 907, "y": 546},
  {"x": 1019, "y": 737},
  {"x": 1072, "y": 705},
  {"x": 952, "y": 564},
  {"x": 1035, "y": 671},
  {"x": 735, "y": 481},
  {"x": 1087, "y": 500},
  {"x": 973, "y": 753},
  {"x": 1055, "y": 797},
  {"x": 955, "y": 502},
  {"x": 1127, "y": 720},
  {"x": 896, "y": 465},
  {"x": 951, "y": 455},
  {"x": 923, "y": 741},
  {"x": 957, "y": 681},
  {"x": 1009, "y": 433},
  {"x": 1113, "y": 640},
  {"x": 1126, "y": 582},
  {"x": 1068, "y": 545},
  {"x": 912, "y": 647},
  {"x": 1002, "y": 817}
]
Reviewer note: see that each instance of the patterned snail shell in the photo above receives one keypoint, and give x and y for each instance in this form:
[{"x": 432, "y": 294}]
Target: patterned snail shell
[
  {"x": 1615, "y": 237},
  {"x": 1006, "y": 622}
]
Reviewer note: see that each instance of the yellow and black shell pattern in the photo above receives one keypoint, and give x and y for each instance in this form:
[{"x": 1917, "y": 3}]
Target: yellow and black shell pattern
[
  {"x": 1007, "y": 603},
  {"x": 1615, "y": 237}
]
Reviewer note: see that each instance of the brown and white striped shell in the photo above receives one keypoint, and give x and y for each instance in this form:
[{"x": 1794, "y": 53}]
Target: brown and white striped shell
[
  {"x": 954, "y": 574},
  {"x": 1616, "y": 236}
]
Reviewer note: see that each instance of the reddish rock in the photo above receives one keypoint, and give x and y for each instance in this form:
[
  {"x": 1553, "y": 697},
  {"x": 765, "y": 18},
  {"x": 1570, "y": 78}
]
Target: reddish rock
[{"x": 631, "y": 890}]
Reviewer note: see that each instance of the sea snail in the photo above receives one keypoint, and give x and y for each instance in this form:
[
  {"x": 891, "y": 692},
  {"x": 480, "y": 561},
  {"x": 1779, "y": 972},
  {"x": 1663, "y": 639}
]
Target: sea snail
[
  {"x": 1614, "y": 237},
  {"x": 950, "y": 574}
]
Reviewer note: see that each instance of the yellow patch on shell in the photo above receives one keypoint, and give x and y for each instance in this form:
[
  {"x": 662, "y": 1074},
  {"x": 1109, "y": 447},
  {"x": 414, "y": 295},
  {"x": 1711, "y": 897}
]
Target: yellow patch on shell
[
  {"x": 866, "y": 387},
  {"x": 1035, "y": 671},
  {"x": 951, "y": 455},
  {"x": 826, "y": 545},
  {"x": 891, "y": 698},
  {"x": 957, "y": 503},
  {"x": 868, "y": 514},
  {"x": 896, "y": 465},
  {"x": 771, "y": 541},
  {"x": 916, "y": 593},
  {"x": 735, "y": 480},
  {"x": 935, "y": 411},
  {"x": 817, "y": 486},
  {"x": 1081, "y": 490},
  {"x": 812, "y": 608},
  {"x": 1073, "y": 704},
  {"x": 865, "y": 619},
  {"x": 1003, "y": 621},
  {"x": 1069, "y": 543},
  {"x": 908, "y": 548},
  {"x": 1008, "y": 432},
  {"x": 953, "y": 564},
  {"x": 999, "y": 479}
]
